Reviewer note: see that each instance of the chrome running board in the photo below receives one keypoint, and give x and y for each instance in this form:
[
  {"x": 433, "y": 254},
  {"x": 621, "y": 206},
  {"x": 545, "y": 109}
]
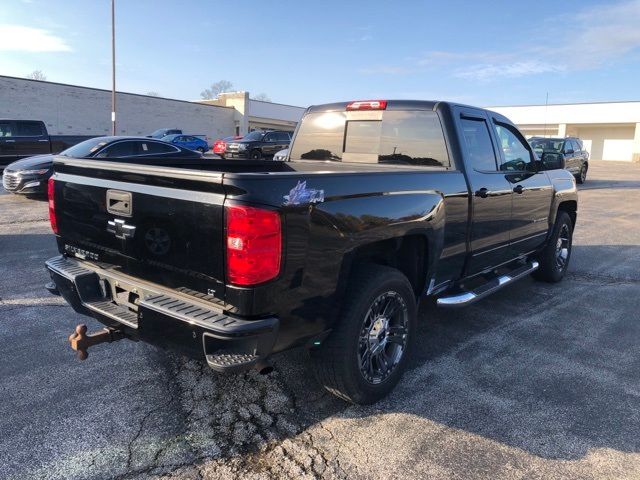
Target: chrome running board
[{"x": 465, "y": 298}]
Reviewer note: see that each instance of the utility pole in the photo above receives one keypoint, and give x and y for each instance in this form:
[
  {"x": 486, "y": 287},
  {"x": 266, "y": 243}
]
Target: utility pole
[
  {"x": 546, "y": 105},
  {"x": 113, "y": 67}
]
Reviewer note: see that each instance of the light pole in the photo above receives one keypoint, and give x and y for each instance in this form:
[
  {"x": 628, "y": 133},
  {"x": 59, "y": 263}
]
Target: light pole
[{"x": 113, "y": 67}]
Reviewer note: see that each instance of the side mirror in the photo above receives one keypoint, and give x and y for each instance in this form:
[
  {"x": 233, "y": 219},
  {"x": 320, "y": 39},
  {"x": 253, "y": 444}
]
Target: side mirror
[{"x": 552, "y": 161}]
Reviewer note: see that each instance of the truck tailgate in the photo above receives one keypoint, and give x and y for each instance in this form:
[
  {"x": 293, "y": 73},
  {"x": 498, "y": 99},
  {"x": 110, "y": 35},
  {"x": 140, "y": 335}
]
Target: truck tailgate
[{"x": 164, "y": 225}]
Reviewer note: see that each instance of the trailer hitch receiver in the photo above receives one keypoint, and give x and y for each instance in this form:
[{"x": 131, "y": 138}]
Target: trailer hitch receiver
[{"x": 80, "y": 341}]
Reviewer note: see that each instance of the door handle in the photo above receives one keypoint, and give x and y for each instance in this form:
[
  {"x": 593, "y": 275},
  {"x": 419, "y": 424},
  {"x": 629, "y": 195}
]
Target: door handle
[
  {"x": 11, "y": 141},
  {"x": 518, "y": 189},
  {"x": 482, "y": 193}
]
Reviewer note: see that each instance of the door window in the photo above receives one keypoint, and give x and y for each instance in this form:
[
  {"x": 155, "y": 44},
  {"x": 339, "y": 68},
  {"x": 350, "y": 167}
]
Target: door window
[
  {"x": 269, "y": 137},
  {"x": 516, "y": 156},
  {"x": 29, "y": 129},
  {"x": 478, "y": 142},
  {"x": 117, "y": 150},
  {"x": 155, "y": 148},
  {"x": 6, "y": 129},
  {"x": 282, "y": 137}
]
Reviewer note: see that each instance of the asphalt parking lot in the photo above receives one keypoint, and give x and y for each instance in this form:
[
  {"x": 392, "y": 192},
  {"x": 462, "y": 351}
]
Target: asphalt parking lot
[{"x": 538, "y": 381}]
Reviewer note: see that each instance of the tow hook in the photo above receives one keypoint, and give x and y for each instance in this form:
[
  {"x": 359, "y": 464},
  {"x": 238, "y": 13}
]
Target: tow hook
[{"x": 80, "y": 341}]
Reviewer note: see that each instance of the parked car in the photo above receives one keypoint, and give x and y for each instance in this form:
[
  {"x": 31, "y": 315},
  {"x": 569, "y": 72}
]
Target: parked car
[
  {"x": 575, "y": 157},
  {"x": 187, "y": 141},
  {"x": 220, "y": 145},
  {"x": 163, "y": 132},
  {"x": 29, "y": 175},
  {"x": 25, "y": 138},
  {"x": 281, "y": 156},
  {"x": 258, "y": 144},
  {"x": 380, "y": 203}
]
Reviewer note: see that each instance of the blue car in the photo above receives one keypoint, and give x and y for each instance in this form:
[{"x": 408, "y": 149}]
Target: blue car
[{"x": 187, "y": 141}]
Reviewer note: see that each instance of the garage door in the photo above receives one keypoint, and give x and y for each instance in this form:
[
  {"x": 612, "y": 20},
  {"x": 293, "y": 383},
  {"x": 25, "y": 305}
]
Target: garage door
[{"x": 617, "y": 150}]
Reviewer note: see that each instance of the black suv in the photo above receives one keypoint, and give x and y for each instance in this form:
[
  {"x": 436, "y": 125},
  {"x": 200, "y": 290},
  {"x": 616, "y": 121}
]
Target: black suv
[
  {"x": 576, "y": 158},
  {"x": 258, "y": 144}
]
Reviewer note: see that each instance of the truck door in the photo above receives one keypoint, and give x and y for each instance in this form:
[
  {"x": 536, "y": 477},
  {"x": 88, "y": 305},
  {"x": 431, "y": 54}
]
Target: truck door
[
  {"x": 32, "y": 138},
  {"x": 532, "y": 192},
  {"x": 7, "y": 142},
  {"x": 490, "y": 194}
]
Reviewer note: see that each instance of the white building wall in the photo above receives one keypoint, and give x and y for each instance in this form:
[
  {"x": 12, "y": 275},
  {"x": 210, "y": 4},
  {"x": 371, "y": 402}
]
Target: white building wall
[
  {"x": 287, "y": 113},
  {"x": 610, "y": 131},
  {"x": 73, "y": 110}
]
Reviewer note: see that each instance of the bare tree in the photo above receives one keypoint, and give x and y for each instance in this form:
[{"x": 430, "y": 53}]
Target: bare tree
[
  {"x": 37, "y": 75},
  {"x": 153, "y": 94},
  {"x": 263, "y": 97},
  {"x": 216, "y": 89}
]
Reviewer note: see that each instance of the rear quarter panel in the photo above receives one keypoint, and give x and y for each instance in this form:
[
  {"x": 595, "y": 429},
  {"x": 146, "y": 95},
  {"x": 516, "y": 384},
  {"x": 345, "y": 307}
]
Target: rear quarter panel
[{"x": 357, "y": 209}]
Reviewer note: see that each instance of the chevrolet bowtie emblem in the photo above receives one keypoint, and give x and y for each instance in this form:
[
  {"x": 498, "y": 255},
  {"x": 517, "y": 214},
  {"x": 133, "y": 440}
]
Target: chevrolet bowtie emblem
[{"x": 120, "y": 229}]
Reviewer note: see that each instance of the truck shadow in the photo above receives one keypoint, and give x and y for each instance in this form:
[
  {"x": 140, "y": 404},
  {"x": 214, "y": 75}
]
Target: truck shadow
[{"x": 549, "y": 369}]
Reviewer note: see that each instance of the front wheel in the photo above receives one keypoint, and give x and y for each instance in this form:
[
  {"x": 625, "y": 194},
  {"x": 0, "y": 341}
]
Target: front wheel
[
  {"x": 255, "y": 155},
  {"x": 582, "y": 176},
  {"x": 554, "y": 258},
  {"x": 367, "y": 351},
  {"x": 201, "y": 150}
]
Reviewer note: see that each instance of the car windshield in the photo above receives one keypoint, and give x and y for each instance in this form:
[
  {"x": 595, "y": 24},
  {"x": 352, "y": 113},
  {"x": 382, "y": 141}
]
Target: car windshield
[
  {"x": 547, "y": 144},
  {"x": 159, "y": 133},
  {"x": 84, "y": 149},
  {"x": 254, "y": 136}
]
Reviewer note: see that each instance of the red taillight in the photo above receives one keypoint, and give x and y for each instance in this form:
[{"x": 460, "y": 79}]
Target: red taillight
[
  {"x": 219, "y": 147},
  {"x": 254, "y": 244},
  {"x": 368, "y": 105},
  {"x": 51, "y": 189}
]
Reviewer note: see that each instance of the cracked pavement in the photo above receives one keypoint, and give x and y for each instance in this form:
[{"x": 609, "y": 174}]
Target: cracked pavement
[{"x": 537, "y": 381}]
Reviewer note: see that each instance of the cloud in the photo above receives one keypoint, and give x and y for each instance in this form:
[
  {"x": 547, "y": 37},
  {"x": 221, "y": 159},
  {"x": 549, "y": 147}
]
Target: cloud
[
  {"x": 587, "y": 39},
  {"x": 18, "y": 38},
  {"x": 507, "y": 70}
]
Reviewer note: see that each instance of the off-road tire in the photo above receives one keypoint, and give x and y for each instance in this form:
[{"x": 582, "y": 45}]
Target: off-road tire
[
  {"x": 549, "y": 270},
  {"x": 336, "y": 361}
]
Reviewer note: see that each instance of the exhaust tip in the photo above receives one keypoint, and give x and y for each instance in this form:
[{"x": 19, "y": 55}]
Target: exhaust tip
[{"x": 263, "y": 368}]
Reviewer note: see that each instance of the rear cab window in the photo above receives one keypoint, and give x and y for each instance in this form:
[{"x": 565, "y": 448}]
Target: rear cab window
[{"x": 396, "y": 137}]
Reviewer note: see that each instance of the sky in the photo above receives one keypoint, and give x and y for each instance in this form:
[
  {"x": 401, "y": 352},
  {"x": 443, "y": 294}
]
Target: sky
[{"x": 484, "y": 53}]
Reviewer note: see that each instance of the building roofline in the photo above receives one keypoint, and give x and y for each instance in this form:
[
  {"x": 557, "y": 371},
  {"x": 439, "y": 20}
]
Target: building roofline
[
  {"x": 109, "y": 91},
  {"x": 276, "y": 103},
  {"x": 563, "y": 104}
]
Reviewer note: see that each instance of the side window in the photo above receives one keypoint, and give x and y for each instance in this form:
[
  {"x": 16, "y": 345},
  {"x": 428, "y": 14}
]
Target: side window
[
  {"x": 575, "y": 146},
  {"x": 29, "y": 129},
  {"x": 117, "y": 150},
  {"x": 567, "y": 146},
  {"x": 578, "y": 143},
  {"x": 413, "y": 138},
  {"x": 478, "y": 143},
  {"x": 155, "y": 148},
  {"x": 283, "y": 137},
  {"x": 516, "y": 155},
  {"x": 269, "y": 137},
  {"x": 6, "y": 129}
]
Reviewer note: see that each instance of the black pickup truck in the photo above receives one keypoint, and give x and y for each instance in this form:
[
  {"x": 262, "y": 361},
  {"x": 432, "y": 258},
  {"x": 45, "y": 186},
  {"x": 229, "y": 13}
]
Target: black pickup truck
[
  {"x": 378, "y": 203},
  {"x": 26, "y": 138}
]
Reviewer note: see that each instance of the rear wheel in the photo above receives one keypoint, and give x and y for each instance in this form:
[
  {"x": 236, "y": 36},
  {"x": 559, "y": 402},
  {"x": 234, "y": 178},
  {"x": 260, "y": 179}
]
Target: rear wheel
[
  {"x": 201, "y": 150},
  {"x": 367, "y": 352},
  {"x": 554, "y": 259},
  {"x": 255, "y": 155}
]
